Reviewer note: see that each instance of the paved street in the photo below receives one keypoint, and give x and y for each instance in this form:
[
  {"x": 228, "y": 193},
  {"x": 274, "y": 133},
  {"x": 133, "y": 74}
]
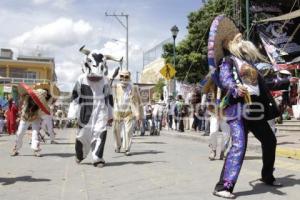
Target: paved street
[{"x": 161, "y": 167}]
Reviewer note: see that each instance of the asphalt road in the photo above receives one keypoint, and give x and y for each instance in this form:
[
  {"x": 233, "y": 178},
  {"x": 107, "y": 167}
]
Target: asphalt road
[{"x": 160, "y": 167}]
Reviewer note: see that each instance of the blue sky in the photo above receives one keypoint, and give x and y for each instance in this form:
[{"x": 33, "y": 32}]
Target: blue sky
[{"x": 59, "y": 27}]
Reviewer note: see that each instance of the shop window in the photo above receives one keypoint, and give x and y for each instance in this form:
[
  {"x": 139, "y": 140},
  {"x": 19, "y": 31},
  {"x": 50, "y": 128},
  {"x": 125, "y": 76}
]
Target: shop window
[{"x": 3, "y": 71}]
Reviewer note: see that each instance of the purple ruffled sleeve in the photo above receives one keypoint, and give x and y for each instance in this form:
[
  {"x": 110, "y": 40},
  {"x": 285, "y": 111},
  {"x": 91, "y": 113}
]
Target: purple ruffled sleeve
[{"x": 227, "y": 78}]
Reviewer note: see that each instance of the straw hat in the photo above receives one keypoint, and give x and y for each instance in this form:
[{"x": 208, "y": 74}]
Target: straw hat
[
  {"x": 222, "y": 31},
  {"x": 52, "y": 88},
  {"x": 284, "y": 71},
  {"x": 38, "y": 96}
]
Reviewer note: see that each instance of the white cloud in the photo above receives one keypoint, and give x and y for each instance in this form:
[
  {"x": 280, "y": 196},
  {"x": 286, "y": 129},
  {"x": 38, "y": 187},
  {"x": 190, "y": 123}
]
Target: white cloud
[
  {"x": 60, "y": 33},
  {"x": 67, "y": 73},
  {"x": 40, "y": 1}
]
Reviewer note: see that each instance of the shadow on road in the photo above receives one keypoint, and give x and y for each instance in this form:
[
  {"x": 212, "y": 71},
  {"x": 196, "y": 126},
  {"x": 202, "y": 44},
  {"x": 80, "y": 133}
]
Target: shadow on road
[
  {"x": 146, "y": 152},
  {"x": 64, "y": 143},
  {"x": 111, "y": 164},
  {"x": 61, "y": 138},
  {"x": 63, "y": 155},
  {"x": 259, "y": 187},
  {"x": 9, "y": 181},
  {"x": 282, "y": 143},
  {"x": 115, "y": 164},
  {"x": 252, "y": 157},
  {"x": 150, "y": 142}
]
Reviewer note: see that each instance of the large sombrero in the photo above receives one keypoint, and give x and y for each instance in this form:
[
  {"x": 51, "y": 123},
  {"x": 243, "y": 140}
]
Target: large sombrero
[
  {"x": 38, "y": 96},
  {"x": 222, "y": 31},
  {"x": 52, "y": 88}
]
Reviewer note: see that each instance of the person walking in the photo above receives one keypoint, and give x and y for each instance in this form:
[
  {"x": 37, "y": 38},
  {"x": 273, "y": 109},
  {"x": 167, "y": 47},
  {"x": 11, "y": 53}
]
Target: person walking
[{"x": 128, "y": 109}]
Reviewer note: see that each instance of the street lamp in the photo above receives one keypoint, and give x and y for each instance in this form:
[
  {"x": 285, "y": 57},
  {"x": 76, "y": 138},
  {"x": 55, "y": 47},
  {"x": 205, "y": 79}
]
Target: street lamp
[{"x": 174, "y": 31}]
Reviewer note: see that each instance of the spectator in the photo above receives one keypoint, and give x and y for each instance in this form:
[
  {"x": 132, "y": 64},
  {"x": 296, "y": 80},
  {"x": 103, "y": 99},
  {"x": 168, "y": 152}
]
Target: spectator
[
  {"x": 180, "y": 112},
  {"x": 158, "y": 111},
  {"x": 11, "y": 117},
  {"x": 2, "y": 120},
  {"x": 170, "y": 111},
  {"x": 149, "y": 117},
  {"x": 198, "y": 116}
]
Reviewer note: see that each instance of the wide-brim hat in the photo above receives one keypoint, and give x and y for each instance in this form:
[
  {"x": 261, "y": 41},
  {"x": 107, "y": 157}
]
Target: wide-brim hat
[
  {"x": 51, "y": 87},
  {"x": 38, "y": 96},
  {"x": 284, "y": 71},
  {"x": 222, "y": 30}
]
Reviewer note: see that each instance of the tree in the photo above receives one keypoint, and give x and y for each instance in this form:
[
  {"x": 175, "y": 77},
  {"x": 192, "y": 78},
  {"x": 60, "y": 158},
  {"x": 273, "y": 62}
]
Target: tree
[
  {"x": 191, "y": 52},
  {"x": 159, "y": 88}
]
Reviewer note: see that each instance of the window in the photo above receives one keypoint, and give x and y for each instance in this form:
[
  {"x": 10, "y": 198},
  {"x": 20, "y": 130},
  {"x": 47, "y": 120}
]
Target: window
[
  {"x": 3, "y": 71},
  {"x": 22, "y": 73}
]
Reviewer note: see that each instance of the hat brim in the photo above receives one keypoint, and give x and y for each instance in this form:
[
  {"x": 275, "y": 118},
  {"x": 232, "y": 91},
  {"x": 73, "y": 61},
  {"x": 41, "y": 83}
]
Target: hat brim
[
  {"x": 42, "y": 104},
  {"x": 52, "y": 88},
  {"x": 222, "y": 31}
]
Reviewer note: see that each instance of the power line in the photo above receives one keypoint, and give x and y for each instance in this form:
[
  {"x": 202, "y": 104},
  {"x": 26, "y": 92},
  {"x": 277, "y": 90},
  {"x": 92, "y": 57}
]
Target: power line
[{"x": 117, "y": 16}]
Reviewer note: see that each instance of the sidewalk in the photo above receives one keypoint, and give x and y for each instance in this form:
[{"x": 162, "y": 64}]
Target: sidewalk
[{"x": 288, "y": 143}]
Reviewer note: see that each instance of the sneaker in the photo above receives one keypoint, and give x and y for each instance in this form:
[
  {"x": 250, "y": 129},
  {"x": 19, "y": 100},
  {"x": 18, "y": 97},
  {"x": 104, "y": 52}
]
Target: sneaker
[
  {"x": 99, "y": 164},
  {"x": 212, "y": 155},
  {"x": 37, "y": 154},
  {"x": 117, "y": 150},
  {"x": 53, "y": 142},
  {"x": 127, "y": 153},
  {"x": 224, "y": 194},
  {"x": 14, "y": 153},
  {"x": 222, "y": 155},
  {"x": 77, "y": 161}
]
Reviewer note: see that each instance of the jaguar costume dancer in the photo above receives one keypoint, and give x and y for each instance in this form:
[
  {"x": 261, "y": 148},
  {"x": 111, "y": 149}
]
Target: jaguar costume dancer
[
  {"x": 128, "y": 108},
  {"x": 246, "y": 101},
  {"x": 92, "y": 94},
  {"x": 34, "y": 106}
]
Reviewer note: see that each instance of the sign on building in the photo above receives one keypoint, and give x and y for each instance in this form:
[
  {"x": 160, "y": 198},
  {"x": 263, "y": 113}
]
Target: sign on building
[{"x": 7, "y": 89}]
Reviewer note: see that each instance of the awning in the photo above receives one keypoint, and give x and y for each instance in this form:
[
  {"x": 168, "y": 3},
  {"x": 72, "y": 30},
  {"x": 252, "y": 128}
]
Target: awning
[{"x": 287, "y": 16}]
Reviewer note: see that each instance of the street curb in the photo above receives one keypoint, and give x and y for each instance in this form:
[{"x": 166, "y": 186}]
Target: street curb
[
  {"x": 288, "y": 153},
  {"x": 205, "y": 139},
  {"x": 280, "y": 151}
]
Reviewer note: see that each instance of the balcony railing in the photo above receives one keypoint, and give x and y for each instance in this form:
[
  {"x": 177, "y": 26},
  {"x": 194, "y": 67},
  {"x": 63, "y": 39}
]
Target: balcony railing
[{"x": 7, "y": 80}]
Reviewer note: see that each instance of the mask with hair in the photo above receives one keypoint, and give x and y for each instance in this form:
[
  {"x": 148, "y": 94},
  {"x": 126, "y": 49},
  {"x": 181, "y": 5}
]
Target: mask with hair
[
  {"x": 244, "y": 49},
  {"x": 30, "y": 109}
]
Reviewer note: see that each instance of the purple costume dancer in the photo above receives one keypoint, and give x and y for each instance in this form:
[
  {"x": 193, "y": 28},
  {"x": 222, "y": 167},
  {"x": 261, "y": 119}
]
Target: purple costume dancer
[{"x": 247, "y": 104}]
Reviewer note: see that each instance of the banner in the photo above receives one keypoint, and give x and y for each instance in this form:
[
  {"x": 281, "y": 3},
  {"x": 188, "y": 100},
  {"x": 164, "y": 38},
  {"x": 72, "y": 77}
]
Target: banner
[{"x": 281, "y": 40}]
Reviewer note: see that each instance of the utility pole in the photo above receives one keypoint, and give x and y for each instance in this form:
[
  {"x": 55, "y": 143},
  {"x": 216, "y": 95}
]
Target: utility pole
[
  {"x": 117, "y": 16},
  {"x": 137, "y": 77},
  {"x": 247, "y": 19}
]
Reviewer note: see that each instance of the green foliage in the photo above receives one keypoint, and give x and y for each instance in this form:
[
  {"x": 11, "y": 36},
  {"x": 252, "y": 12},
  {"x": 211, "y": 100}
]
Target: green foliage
[
  {"x": 159, "y": 86},
  {"x": 191, "y": 52}
]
